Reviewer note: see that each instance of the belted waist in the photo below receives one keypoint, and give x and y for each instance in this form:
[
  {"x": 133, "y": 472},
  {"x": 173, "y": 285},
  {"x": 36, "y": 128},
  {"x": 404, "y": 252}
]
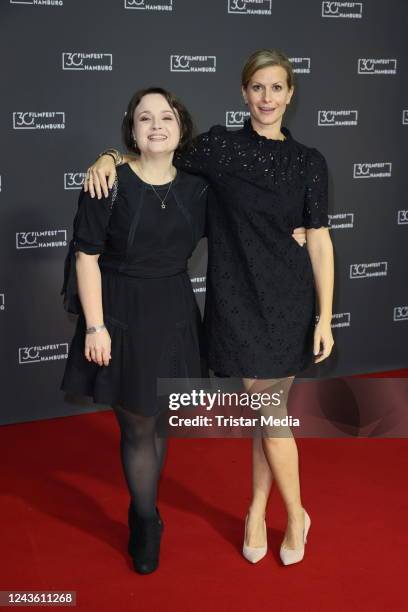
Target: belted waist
[
  {"x": 142, "y": 271},
  {"x": 115, "y": 265}
]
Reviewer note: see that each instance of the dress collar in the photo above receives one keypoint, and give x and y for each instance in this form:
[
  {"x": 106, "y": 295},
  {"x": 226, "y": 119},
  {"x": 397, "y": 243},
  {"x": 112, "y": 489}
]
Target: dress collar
[{"x": 249, "y": 131}]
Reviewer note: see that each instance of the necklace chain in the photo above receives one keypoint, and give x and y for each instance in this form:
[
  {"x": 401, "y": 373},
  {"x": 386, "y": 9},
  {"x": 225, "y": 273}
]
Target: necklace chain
[{"x": 163, "y": 201}]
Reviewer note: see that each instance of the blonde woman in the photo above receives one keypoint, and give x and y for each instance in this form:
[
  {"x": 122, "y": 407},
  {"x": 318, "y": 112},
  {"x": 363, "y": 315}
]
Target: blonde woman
[{"x": 269, "y": 302}]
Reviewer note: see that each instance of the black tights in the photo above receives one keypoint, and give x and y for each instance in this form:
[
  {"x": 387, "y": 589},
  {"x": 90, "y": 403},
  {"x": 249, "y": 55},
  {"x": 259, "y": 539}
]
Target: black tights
[{"x": 142, "y": 452}]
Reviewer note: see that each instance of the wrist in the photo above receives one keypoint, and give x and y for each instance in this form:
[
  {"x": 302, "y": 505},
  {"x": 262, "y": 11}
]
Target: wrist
[
  {"x": 111, "y": 155},
  {"x": 95, "y": 329},
  {"x": 114, "y": 154},
  {"x": 324, "y": 319}
]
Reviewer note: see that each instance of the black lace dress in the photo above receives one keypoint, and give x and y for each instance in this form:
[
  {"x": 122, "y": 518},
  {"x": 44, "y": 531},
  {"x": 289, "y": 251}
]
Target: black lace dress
[{"x": 260, "y": 301}]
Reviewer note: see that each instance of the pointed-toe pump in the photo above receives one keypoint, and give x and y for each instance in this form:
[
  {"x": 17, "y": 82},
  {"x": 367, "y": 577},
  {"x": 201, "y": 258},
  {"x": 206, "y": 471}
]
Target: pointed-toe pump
[
  {"x": 294, "y": 555},
  {"x": 253, "y": 554}
]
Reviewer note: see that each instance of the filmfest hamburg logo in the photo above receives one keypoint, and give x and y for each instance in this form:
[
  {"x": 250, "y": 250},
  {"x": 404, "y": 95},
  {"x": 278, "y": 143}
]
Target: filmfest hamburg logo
[
  {"x": 250, "y": 7},
  {"x": 405, "y": 117},
  {"x": 198, "y": 283},
  {"x": 30, "y": 120},
  {"x": 365, "y": 270},
  {"x": 39, "y": 2},
  {"x": 235, "y": 119},
  {"x": 348, "y": 10},
  {"x": 341, "y": 319},
  {"x": 301, "y": 65},
  {"x": 402, "y": 217},
  {"x": 149, "y": 5},
  {"x": 377, "y": 66},
  {"x": 372, "y": 170},
  {"x": 44, "y": 239},
  {"x": 337, "y": 117},
  {"x": 48, "y": 352},
  {"x": 193, "y": 63},
  {"x": 73, "y": 180},
  {"x": 77, "y": 60},
  {"x": 2, "y": 301},
  {"x": 400, "y": 313},
  {"x": 341, "y": 221}
]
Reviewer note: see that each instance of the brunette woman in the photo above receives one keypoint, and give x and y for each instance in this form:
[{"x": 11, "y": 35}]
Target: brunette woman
[{"x": 126, "y": 277}]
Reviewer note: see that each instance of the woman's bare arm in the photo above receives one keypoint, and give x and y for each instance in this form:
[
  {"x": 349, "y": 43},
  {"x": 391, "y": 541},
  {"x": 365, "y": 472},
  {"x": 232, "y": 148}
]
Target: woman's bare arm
[
  {"x": 97, "y": 345},
  {"x": 320, "y": 249}
]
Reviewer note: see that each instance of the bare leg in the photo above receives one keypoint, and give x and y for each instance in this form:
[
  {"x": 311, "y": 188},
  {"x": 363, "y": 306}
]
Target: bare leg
[
  {"x": 261, "y": 485},
  {"x": 281, "y": 456}
]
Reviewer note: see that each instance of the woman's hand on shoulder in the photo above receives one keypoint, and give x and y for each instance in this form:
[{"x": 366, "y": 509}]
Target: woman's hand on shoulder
[
  {"x": 98, "y": 347},
  {"x": 100, "y": 177}
]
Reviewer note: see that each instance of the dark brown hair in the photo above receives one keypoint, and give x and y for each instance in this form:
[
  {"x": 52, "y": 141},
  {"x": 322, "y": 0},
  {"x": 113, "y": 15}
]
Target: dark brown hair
[
  {"x": 182, "y": 115},
  {"x": 266, "y": 57}
]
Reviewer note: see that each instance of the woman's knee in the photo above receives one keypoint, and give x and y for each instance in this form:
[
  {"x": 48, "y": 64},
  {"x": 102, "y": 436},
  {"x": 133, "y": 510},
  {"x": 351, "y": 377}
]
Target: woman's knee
[
  {"x": 135, "y": 427},
  {"x": 267, "y": 385}
]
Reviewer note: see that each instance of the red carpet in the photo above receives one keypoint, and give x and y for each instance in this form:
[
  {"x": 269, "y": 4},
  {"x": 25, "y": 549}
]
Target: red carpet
[{"x": 63, "y": 522}]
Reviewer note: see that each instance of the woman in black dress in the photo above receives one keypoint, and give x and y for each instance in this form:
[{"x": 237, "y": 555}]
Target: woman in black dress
[
  {"x": 269, "y": 302},
  {"x": 126, "y": 277}
]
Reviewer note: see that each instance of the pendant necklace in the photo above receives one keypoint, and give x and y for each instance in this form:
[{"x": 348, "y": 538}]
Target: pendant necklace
[{"x": 163, "y": 201}]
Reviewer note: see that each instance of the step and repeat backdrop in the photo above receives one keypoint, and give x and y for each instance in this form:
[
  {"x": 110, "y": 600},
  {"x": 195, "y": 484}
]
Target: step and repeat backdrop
[{"x": 69, "y": 68}]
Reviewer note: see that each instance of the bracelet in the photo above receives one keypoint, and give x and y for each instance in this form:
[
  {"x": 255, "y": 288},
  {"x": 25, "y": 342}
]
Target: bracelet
[
  {"x": 94, "y": 329},
  {"x": 112, "y": 156},
  {"x": 117, "y": 157}
]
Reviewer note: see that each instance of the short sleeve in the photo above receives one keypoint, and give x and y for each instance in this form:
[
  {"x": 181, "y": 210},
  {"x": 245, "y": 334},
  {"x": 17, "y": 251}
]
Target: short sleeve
[
  {"x": 89, "y": 235},
  {"x": 91, "y": 222},
  {"x": 315, "y": 211}
]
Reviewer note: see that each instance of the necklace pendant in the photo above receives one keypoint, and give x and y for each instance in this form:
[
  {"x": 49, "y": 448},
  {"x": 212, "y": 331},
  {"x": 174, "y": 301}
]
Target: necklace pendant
[{"x": 163, "y": 205}]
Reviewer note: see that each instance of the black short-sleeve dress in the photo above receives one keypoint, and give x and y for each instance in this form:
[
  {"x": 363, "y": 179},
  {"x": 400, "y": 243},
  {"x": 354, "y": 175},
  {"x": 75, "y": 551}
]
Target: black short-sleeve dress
[
  {"x": 260, "y": 306},
  {"x": 148, "y": 302}
]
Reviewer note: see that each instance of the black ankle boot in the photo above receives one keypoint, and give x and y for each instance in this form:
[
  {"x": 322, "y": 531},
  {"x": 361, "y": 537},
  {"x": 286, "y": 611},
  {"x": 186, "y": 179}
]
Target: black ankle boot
[
  {"x": 132, "y": 517},
  {"x": 144, "y": 541}
]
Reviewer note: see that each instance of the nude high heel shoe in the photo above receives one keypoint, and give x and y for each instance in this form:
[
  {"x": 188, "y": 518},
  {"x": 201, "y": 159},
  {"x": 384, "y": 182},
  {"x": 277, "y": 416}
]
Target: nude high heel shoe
[
  {"x": 294, "y": 555},
  {"x": 254, "y": 553}
]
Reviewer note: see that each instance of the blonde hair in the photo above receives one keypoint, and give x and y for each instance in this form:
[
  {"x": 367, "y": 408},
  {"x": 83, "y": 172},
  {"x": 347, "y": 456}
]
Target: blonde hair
[{"x": 266, "y": 57}]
